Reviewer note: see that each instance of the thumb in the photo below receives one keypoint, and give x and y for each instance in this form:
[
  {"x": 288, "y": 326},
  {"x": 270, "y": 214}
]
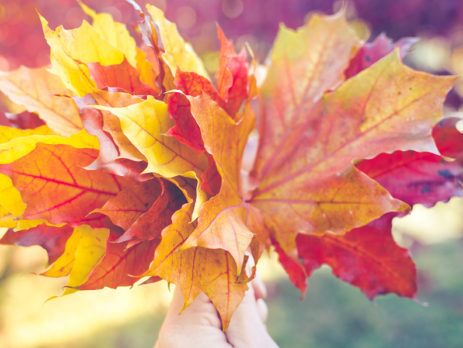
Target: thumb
[{"x": 246, "y": 329}]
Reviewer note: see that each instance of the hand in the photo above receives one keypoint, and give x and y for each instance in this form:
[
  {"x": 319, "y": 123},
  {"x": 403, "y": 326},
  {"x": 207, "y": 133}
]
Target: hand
[{"x": 199, "y": 325}]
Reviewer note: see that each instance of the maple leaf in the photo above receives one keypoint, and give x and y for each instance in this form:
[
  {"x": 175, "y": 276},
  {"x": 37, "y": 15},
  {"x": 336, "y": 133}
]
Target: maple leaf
[
  {"x": 54, "y": 185},
  {"x": 112, "y": 157},
  {"x": 22, "y": 120},
  {"x": 149, "y": 224},
  {"x": 221, "y": 224},
  {"x": 134, "y": 75},
  {"x": 121, "y": 265},
  {"x": 194, "y": 85},
  {"x": 212, "y": 271},
  {"x": 132, "y": 201},
  {"x": 20, "y": 142},
  {"x": 178, "y": 54},
  {"x": 185, "y": 129},
  {"x": 373, "y": 51},
  {"x": 366, "y": 257},
  {"x": 304, "y": 176},
  {"x": 70, "y": 52},
  {"x": 52, "y": 239},
  {"x": 145, "y": 124},
  {"x": 448, "y": 138},
  {"x": 231, "y": 92},
  {"x": 416, "y": 177},
  {"x": 292, "y": 266},
  {"x": 113, "y": 50},
  {"x": 39, "y": 91},
  {"x": 232, "y": 76},
  {"x": 117, "y": 153},
  {"x": 84, "y": 249},
  {"x": 114, "y": 33},
  {"x": 122, "y": 76},
  {"x": 308, "y": 140},
  {"x": 187, "y": 132}
]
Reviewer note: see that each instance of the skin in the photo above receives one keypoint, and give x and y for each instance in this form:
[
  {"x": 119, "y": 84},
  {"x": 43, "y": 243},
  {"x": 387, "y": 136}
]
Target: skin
[{"x": 199, "y": 325}]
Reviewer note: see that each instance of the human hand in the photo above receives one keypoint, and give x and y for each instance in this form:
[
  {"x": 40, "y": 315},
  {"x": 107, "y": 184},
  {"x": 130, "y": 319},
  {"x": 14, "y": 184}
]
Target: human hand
[{"x": 199, "y": 325}]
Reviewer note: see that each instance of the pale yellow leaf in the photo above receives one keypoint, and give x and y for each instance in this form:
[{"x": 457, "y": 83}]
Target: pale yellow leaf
[
  {"x": 114, "y": 33},
  {"x": 18, "y": 147},
  {"x": 39, "y": 91},
  {"x": 83, "y": 251},
  {"x": 178, "y": 53},
  {"x": 146, "y": 125}
]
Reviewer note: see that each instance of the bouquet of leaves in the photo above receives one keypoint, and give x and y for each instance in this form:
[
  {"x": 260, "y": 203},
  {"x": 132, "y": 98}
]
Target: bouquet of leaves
[{"x": 130, "y": 164}]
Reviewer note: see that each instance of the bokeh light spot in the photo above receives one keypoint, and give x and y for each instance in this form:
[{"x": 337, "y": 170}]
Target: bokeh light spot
[
  {"x": 186, "y": 17},
  {"x": 232, "y": 8}
]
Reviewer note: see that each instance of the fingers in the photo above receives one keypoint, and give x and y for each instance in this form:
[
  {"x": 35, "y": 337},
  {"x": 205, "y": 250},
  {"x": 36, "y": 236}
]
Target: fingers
[
  {"x": 247, "y": 327},
  {"x": 177, "y": 301},
  {"x": 262, "y": 309},
  {"x": 196, "y": 326},
  {"x": 260, "y": 290},
  {"x": 200, "y": 312},
  {"x": 199, "y": 325}
]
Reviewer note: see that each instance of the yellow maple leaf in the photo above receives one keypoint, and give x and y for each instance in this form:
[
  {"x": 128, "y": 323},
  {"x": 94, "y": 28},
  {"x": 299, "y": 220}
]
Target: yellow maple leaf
[
  {"x": 178, "y": 54},
  {"x": 84, "y": 249},
  {"x": 75, "y": 75},
  {"x": 8, "y": 133},
  {"x": 117, "y": 35},
  {"x": 222, "y": 219},
  {"x": 39, "y": 91},
  {"x": 114, "y": 33},
  {"x": 212, "y": 271},
  {"x": 71, "y": 50},
  {"x": 11, "y": 202},
  {"x": 146, "y": 124},
  {"x": 20, "y": 146}
]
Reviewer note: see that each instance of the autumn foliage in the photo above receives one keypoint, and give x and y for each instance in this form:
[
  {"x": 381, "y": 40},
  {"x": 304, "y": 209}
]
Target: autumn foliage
[{"x": 130, "y": 163}]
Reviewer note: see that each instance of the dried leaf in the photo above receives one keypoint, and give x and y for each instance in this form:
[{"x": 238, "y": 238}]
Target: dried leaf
[
  {"x": 52, "y": 239},
  {"x": 221, "y": 223},
  {"x": 120, "y": 265},
  {"x": 366, "y": 257},
  {"x": 146, "y": 125},
  {"x": 416, "y": 177},
  {"x": 56, "y": 187},
  {"x": 448, "y": 138},
  {"x": 308, "y": 141},
  {"x": 178, "y": 54},
  {"x": 83, "y": 251},
  {"x": 212, "y": 271},
  {"x": 41, "y": 92}
]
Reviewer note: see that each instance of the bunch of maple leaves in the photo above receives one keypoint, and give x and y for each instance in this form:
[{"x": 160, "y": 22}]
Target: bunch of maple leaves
[{"x": 128, "y": 162}]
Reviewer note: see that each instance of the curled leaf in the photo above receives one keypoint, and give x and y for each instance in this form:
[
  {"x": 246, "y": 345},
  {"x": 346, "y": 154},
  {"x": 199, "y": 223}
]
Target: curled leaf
[
  {"x": 39, "y": 91},
  {"x": 83, "y": 251}
]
